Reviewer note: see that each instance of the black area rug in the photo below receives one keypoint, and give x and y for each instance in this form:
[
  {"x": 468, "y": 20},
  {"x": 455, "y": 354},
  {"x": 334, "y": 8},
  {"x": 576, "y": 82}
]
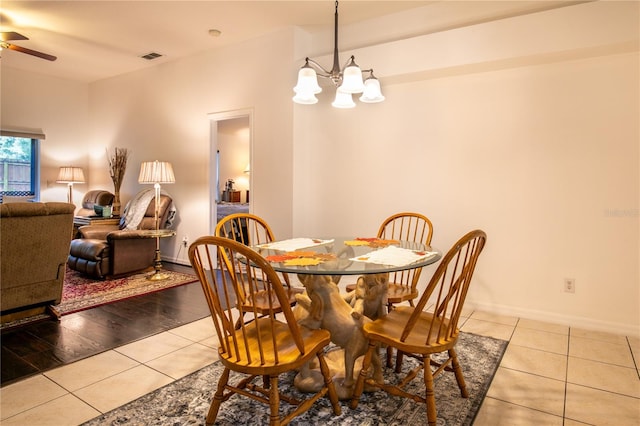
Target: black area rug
[{"x": 186, "y": 401}]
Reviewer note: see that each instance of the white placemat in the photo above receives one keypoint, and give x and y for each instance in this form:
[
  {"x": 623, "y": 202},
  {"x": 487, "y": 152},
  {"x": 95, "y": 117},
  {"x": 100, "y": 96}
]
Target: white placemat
[
  {"x": 395, "y": 256},
  {"x": 294, "y": 244}
]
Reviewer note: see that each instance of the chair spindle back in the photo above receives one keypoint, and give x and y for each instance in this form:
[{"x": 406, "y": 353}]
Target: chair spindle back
[
  {"x": 232, "y": 320},
  {"x": 407, "y": 226},
  {"x": 447, "y": 289}
]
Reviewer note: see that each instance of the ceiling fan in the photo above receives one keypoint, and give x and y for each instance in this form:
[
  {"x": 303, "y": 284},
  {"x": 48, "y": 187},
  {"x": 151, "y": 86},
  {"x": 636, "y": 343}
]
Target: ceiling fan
[{"x": 7, "y": 36}]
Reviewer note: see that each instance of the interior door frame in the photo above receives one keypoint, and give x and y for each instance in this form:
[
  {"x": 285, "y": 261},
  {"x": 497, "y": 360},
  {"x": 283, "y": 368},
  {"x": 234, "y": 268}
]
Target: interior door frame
[{"x": 214, "y": 119}]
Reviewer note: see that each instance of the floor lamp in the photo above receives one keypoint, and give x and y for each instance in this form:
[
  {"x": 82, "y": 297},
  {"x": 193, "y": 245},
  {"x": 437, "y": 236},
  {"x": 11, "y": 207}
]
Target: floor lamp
[
  {"x": 70, "y": 175},
  {"x": 157, "y": 172}
]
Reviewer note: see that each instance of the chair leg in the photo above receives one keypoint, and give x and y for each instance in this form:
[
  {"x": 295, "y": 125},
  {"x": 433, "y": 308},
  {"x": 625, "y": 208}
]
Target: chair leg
[
  {"x": 217, "y": 398},
  {"x": 458, "y": 372},
  {"x": 430, "y": 395},
  {"x": 359, "y": 386},
  {"x": 274, "y": 402},
  {"x": 399, "y": 356},
  {"x": 328, "y": 382},
  {"x": 389, "y": 348}
]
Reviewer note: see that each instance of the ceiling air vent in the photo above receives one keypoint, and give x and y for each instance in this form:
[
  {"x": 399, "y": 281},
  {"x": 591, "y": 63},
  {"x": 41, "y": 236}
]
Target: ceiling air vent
[{"x": 151, "y": 56}]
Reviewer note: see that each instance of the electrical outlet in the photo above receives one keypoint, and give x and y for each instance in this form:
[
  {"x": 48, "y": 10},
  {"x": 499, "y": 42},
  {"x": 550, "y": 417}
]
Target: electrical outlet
[
  {"x": 569, "y": 285},
  {"x": 185, "y": 241}
]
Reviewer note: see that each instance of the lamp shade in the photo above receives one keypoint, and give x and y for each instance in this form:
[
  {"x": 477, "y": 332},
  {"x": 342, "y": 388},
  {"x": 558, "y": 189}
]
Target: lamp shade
[
  {"x": 372, "y": 93},
  {"x": 343, "y": 100},
  {"x": 70, "y": 175},
  {"x": 156, "y": 172},
  {"x": 305, "y": 99},
  {"x": 307, "y": 81},
  {"x": 307, "y": 86},
  {"x": 352, "y": 78}
]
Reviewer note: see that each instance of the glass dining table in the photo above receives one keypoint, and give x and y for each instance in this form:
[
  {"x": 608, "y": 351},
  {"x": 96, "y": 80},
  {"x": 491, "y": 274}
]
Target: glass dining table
[
  {"x": 319, "y": 264},
  {"x": 341, "y": 256}
]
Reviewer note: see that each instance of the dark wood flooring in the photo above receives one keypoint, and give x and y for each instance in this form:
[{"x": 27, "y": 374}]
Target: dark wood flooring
[{"x": 40, "y": 346}]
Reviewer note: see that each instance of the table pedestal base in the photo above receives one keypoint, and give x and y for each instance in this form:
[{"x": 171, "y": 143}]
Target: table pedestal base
[
  {"x": 158, "y": 274},
  {"x": 310, "y": 379},
  {"x": 322, "y": 306}
]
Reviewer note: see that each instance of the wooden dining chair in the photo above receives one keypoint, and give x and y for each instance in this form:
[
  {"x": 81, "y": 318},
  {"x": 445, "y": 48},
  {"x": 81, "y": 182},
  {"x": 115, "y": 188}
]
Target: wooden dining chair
[
  {"x": 419, "y": 333},
  {"x": 413, "y": 227},
  {"x": 252, "y": 230},
  {"x": 403, "y": 285},
  {"x": 260, "y": 345}
]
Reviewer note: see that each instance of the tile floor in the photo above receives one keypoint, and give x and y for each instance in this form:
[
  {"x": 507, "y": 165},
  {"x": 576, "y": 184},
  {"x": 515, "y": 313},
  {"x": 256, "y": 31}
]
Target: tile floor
[{"x": 550, "y": 375}]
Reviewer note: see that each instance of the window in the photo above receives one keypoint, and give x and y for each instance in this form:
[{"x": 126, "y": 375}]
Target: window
[{"x": 19, "y": 166}]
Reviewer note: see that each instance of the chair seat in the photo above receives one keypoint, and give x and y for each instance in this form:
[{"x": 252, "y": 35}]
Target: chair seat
[
  {"x": 388, "y": 330},
  {"x": 248, "y": 359},
  {"x": 263, "y": 305},
  {"x": 398, "y": 293}
]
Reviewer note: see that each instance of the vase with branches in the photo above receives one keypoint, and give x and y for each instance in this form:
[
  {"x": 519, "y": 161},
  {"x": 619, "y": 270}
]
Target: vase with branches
[{"x": 117, "y": 168}]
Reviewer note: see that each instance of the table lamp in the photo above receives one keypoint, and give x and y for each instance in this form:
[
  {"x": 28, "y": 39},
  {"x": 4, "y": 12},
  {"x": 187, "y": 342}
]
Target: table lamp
[
  {"x": 157, "y": 172},
  {"x": 70, "y": 175}
]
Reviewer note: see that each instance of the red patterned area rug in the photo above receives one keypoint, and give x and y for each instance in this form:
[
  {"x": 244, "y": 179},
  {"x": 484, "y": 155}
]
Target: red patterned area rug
[{"x": 80, "y": 292}]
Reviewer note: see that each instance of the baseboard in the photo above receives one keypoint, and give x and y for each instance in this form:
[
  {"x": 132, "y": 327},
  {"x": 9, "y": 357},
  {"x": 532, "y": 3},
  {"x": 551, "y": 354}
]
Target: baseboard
[
  {"x": 176, "y": 261},
  {"x": 552, "y": 317}
]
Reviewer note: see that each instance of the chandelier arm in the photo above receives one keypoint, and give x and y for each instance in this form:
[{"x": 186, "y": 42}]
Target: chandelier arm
[{"x": 318, "y": 67}]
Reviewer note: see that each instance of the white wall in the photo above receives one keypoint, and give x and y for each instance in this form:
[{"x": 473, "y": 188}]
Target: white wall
[
  {"x": 162, "y": 113},
  {"x": 541, "y": 152},
  {"x": 34, "y": 101}
]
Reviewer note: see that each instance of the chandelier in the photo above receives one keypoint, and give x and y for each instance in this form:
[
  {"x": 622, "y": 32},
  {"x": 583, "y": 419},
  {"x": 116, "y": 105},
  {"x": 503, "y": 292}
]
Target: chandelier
[{"x": 347, "y": 81}]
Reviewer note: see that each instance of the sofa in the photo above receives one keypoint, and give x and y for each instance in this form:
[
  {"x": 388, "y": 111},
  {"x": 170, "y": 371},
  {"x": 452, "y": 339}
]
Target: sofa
[
  {"x": 34, "y": 245},
  {"x": 113, "y": 251}
]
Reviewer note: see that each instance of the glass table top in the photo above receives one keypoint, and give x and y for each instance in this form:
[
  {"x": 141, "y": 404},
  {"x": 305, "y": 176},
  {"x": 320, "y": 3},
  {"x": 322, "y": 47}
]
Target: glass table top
[{"x": 347, "y": 256}]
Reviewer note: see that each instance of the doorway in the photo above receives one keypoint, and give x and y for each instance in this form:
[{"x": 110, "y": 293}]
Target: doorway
[{"x": 230, "y": 178}]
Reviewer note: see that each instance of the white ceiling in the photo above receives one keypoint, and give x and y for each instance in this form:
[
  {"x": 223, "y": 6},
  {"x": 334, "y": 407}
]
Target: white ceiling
[{"x": 94, "y": 40}]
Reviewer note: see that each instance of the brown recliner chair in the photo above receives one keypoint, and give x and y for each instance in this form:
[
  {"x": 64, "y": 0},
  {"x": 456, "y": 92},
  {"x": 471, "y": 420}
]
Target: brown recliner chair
[
  {"x": 96, "y": 197},
  {"x": 111, "y": 250},
  {"x": 34, "y": 246}
]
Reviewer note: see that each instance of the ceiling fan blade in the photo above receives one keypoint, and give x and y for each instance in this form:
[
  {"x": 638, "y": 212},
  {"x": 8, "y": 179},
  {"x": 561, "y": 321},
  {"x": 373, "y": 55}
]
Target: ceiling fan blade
[
  {"x": 31, "y": 52},
  {"x": 11, "y": 36}
]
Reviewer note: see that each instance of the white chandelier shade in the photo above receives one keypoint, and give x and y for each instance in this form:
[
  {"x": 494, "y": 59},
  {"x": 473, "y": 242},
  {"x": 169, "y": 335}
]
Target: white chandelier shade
[
  {"x": 352, "y": 78},
  {"x": 307, "y": 81},
  {"x": 348, "y": 81},
  {"x": 343, "y": 100},
  {"x": 372, "y": 93}
]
